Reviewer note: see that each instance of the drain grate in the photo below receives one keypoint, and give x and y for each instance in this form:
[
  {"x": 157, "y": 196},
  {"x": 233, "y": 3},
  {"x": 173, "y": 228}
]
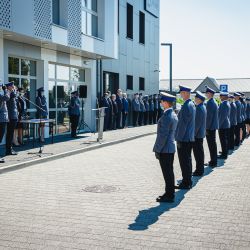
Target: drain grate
[{"x": 101, "y": 189}]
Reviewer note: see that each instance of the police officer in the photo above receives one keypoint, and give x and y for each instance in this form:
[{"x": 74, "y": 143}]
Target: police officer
[
  {"x": 146, "y": 114},
  {"x": 156, "y": 106},
  {"x": 4, "y": 117},
  {"x": 248, "y": 116},
  {"x": 239, "y": 119},
  {"x": 105, "y": 103},
  {"x": 125, "y": 110},
  {"x": 224, "y": 124},
  {"x": 74, "y": 112},
  {"x": 41, "y": 110},
  {"x": 164, "y": 147},
  {"x": 212, "y": 124},
  {"x": 233, "y": 122},
  {"x": 136, "y": 109},
  {"x": 243, "y": 115},
  {"x": 200, "y": 133},
  {"x": 115, "y": 112},
  {"x": 119, "y": 109},
  {"x": 151, "y": 109},
  {"x": 185, "y": 137},
  {"x": 142, "y": 110},
  {"x": 110, "y": 122},
  {"x": 13, "y": 118}
]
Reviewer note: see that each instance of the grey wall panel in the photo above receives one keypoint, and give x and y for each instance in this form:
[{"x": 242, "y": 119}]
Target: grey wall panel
[
  {"x": 43, "y": 19},
  {"x": 74, "y": 23},
  {"x": 5, "y": 14}
]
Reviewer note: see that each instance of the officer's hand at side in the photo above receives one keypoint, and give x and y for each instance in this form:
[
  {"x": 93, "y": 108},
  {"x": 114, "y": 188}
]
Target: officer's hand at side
[{"x": 157, "y": 155}]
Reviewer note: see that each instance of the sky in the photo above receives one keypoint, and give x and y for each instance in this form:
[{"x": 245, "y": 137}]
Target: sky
[{"x": 209, "y": 37}]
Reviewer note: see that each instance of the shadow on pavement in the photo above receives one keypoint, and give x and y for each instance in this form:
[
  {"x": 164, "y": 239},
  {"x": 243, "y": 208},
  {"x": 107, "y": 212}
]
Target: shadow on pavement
[{"x": 151, "y": 215}]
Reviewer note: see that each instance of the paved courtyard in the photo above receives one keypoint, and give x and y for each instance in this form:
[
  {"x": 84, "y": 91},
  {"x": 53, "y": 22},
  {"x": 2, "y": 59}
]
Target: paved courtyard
[{"x": 105, "y": 199}]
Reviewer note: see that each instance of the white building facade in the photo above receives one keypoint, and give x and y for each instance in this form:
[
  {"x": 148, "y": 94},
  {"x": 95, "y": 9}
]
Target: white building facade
[
  {"x": 55, "y": 44},
  {"x": 137, "y": 69}
]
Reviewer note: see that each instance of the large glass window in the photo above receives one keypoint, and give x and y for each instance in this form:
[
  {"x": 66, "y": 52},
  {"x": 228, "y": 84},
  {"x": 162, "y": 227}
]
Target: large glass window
[
  {"x": 62, "y": 81},
  {"x": 90, "y": 17},
  {"x": 23, "y": 73}
]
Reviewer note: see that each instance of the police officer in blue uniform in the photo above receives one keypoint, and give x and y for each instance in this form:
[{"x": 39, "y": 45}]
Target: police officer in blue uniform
[
  {"x": 146, "y": 114},
  {"x": 151, "y": 109},
  {"x": 120, "y": 108},
  {"x": 239, "y": 119},
  {"x": 125, "y": 110},
  {"x": 224, "y": 124},
  {"x": 13, "y": 118},
  {"x": 105, "y": 104},
  {"x": 212, "y": 124},
  {"x": 41, "y": 110},
  {"x": 142, "y": 110},
  {"x": 74, "y": 112},
  {"x": 248, "y": 116},
  {"x": 136, "y": 109},
  {"x": 164, "y": 147},
  {"x": 156, "y": 106},
  {"x": 185, "y": 137},
  {"x": 243, "y": 115},
  {"x": 200, "y": 133},
  {"x": 233, "y": 122},
  {"x": 4, "y": 117}
]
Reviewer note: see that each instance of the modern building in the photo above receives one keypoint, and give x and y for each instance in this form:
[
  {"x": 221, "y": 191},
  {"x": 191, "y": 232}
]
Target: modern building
[
  {"x": 55, "y": 44},
  {"x": 63, "y": 44},
  {"x": 137, "y": 67}
]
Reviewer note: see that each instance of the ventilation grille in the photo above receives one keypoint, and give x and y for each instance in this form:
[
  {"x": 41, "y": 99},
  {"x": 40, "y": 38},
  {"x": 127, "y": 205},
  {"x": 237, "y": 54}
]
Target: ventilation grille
[
  {"x": 74, "y": 23},
  {"x": 43, "y": 18},
  {"x": 5, "y": 14}
]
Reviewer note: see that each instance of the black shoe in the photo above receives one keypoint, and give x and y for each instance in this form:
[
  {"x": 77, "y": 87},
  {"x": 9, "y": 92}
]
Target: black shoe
[
  {"x": 12, "y": 152},
  {"x": 165, "y": 199},
  {"x": 2, "y": 160},
  {"x": 223, "y": 157},
  {"x": 183, "y": 186},
  {"x": 196, "y": 173}
]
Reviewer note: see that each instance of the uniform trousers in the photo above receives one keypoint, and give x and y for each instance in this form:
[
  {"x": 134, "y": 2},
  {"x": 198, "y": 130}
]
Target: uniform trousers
[
  {"x": 184, "y": 150},
  {"x": 223, "y": 134},
  {"x": 199, "y": 155},
  {"x": 237, "y": 135},
  {"x": 140, "y": 118},
  {"x": 124, "y": 119},
  {"x": 244, "y": 130},
  {"x": 2, "y": 130},
  {"x": 11, "y": 125},
  {"x": 212, "y": 145},
  {"x": 151, "y": 114},
  {"x": 166, "y": 161},
  {"x": 146, "y": 117},
  {"x": 231, "y": 138},
  {"x": 74, "y": 120},
  {"x": 135, "y": 118},
  {"x": 155, "y": 115},
  {"x": 118, "y": 119}
]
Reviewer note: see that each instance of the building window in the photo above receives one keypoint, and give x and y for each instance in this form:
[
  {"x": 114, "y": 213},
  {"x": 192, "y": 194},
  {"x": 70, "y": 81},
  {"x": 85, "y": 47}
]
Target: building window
[
  {"x": 59, "y": 12},
  {"x": 141, "y": 83},
  {"x": 129, "y": 21},
  {"x": 142, "y": 28},
  {"x": 129, "y": 82},
  {"x": 90, "y": 17},
  {"x": 23, "y": 72}
]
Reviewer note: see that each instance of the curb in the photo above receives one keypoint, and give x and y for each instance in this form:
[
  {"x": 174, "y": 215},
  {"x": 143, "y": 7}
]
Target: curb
[{"x": 68, "y": 153}]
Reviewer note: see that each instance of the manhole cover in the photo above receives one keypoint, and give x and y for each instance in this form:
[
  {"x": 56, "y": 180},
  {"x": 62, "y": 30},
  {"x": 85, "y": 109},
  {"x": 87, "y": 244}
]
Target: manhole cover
[{"x": 100, "y": 189}]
